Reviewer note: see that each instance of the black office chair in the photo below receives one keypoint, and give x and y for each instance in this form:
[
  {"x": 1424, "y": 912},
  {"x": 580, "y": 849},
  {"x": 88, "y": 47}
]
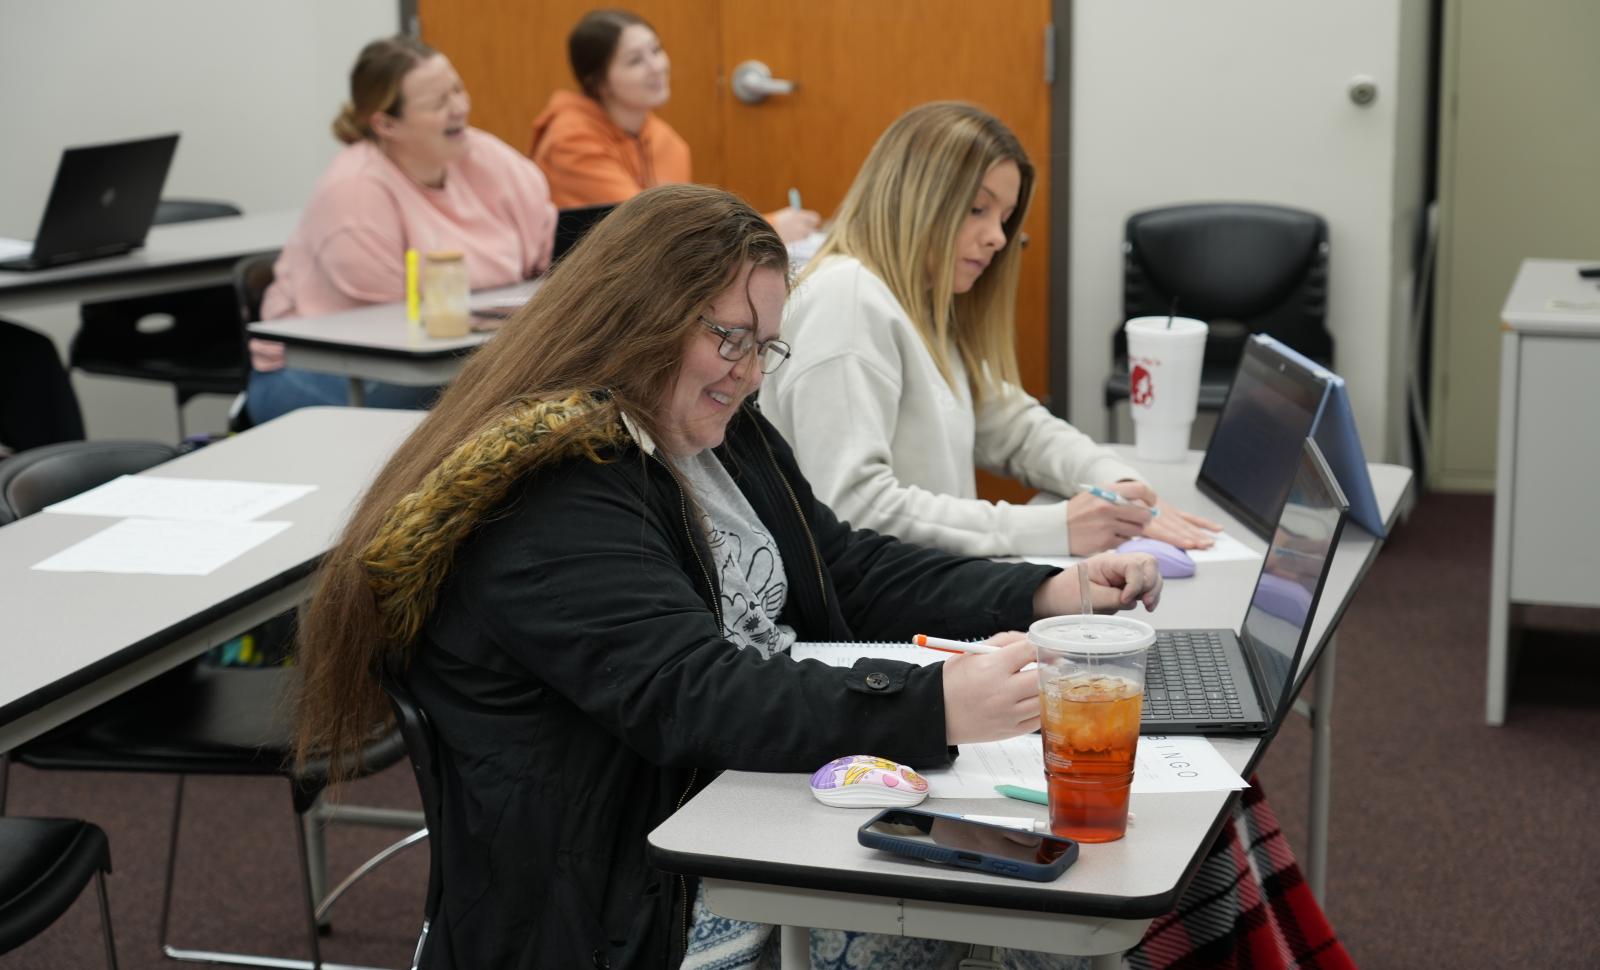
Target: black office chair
[
  {"x": 1242, "y": 268},
  {"x": 251, "y": 277},
  {"x": 422, "y": 748},
  {"x": 196, "y": 720},
  {"x": 37, "y": 405},
  {"x": 200, "y": 353},
  {"x": 573, "y": 224},
  {"x": 44, "y": 865}
]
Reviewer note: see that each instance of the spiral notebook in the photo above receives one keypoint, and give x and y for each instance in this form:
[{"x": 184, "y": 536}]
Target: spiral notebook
[{"x": 846, "y": 654}]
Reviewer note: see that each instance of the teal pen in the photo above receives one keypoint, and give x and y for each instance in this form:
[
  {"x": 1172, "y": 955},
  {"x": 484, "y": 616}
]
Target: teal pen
[
  {"x": 1023, "y": 794},
  {"x": 794, "y": 198},
  {"x": 1112, "y": 497}
]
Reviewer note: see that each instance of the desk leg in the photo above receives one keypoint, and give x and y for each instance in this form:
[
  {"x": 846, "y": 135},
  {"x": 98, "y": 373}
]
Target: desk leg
[
  {"x": 794, "y": 952},
  {"x": 1106, "y": 961},
  {"x": 358, "y": 392},
  {"x": 1500, "y": 565},
  {"x": 1321, "y": 769}
]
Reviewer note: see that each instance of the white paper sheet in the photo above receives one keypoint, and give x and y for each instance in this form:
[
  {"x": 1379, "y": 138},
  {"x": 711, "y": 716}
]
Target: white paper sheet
[
  {"x": 166, "y": 547},
  {"x": 1226, "y": 549},
  {"x": 1161, "y": 765},
  {"x": 193, "y": 499}
]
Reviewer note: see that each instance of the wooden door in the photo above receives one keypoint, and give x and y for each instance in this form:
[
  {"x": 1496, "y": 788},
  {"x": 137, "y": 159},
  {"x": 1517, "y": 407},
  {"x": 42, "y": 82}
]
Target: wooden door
[{"x": 858, "y": 64}]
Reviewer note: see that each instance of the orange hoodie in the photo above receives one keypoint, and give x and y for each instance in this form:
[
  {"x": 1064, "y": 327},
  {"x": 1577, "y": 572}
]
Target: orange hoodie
[{"x": 589, "y": 160}]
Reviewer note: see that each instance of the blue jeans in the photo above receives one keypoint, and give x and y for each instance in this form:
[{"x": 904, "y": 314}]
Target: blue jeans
[{"x": 275, "y": 393}]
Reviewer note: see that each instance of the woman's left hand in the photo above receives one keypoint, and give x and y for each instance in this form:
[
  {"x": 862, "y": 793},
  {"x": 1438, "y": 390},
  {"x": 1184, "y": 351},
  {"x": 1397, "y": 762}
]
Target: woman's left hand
[{"x": 1182, "y": 529}]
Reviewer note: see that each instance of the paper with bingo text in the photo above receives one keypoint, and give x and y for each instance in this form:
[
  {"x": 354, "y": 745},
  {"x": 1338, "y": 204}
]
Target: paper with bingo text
[
  {"x": 191, "y": 499},
  {"x": 1162, "y": 764}
]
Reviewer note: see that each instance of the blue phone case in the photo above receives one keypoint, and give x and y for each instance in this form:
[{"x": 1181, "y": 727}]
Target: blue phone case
[{"x": 963, "y": 858}]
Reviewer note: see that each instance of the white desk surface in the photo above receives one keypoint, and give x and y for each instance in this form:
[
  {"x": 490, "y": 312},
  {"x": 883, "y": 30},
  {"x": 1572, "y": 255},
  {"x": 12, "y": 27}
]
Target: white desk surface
[
  {"x": 1130, "y": 880},
  {"x": 180, "y": 254},
  {"x": 74, "y": 639},
  {"x": 377, "y": 343},
  {"x": 1549, "y": 297}
]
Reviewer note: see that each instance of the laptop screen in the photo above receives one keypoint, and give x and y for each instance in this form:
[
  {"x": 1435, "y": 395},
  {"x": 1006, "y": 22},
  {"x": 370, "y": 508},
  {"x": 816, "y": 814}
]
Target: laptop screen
[
  {"x": 1292, "y": 575},
  {"x": 1250, "y": 461}
]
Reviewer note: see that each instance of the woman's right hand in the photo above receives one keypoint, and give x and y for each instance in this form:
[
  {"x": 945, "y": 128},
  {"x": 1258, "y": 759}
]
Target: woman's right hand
[
  {"x": 1095, "y": 525},
  {"x": 988, "y": 696},
  {"x": 794, "y": 224}
]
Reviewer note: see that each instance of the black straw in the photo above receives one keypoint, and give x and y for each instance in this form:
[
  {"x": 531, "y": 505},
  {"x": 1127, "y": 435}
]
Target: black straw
[{"x": 1171, "y": 310}]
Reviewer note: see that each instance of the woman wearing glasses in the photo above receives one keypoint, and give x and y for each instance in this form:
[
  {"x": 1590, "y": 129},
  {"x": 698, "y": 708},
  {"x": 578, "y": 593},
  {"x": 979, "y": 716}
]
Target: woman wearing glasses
[{"x": 592, "y": 556}]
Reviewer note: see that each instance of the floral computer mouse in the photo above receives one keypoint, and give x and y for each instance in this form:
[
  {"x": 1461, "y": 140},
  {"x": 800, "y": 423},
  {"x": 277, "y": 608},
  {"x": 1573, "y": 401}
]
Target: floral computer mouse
[{"x": 863, "y": 781}]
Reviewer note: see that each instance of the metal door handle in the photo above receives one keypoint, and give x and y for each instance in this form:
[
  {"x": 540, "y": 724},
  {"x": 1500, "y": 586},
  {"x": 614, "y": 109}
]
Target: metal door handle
[{"x": 753, "y": 83}]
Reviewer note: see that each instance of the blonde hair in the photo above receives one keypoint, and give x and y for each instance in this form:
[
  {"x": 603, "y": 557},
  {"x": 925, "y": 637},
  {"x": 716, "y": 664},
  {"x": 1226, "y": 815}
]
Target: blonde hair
[
  {"x": 375, "y": 82},
  {"x": 900, "y": 219},
  {"x": 604, "y": 336}
]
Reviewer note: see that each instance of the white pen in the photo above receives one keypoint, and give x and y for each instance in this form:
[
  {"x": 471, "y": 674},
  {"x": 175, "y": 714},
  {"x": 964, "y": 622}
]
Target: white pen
[
  {"x": 1114, "y": 498},
  {"x": 794, "y": 198},
  {"x": 952, "y": 646}
]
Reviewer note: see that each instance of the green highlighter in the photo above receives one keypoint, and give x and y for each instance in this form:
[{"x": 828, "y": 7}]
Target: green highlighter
[{"x": 1023, "y": 794}]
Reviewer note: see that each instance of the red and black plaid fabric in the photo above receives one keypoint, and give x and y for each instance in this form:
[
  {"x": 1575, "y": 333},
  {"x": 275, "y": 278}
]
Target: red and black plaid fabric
[{"x": 1249, "y": 907}]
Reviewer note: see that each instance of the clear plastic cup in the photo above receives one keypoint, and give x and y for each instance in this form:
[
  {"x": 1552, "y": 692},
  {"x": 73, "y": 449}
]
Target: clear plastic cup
[
  {"x": 1164, "y": 365},
  {"x": 1091, "y": 687}
]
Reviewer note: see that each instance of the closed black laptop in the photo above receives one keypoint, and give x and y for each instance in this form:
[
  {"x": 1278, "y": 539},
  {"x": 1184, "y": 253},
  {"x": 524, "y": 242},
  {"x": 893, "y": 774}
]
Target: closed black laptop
[
  {"x": 1222, "y": 682},
  {"x": 102, "y": 202}
]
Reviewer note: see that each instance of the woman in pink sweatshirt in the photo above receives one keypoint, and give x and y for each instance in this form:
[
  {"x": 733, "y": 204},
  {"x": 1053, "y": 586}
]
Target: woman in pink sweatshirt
[{"x": 413, "y": 175}]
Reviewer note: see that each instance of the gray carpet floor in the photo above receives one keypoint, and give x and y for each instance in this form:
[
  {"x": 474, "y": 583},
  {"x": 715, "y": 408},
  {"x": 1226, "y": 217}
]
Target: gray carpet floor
[{"x": 1452, "y": 844}]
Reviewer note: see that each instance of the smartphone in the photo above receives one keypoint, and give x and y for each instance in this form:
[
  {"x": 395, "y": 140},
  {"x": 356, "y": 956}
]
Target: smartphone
[{"x": 966, "y": 844}]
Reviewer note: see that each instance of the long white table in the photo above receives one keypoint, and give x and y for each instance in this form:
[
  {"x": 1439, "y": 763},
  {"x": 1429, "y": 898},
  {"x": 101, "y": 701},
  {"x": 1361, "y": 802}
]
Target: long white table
[
  {"x": 177, "y": 256},
  {"x": 811, "y": 872},
  {"x": 376, "y": 343},
  {"x": 72, "y": 641}
]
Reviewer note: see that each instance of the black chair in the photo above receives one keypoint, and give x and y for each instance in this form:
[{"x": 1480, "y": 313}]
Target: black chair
[
  {"x": 196, "y": 720},
  {"x": 1242, "y": 268},
  {"x": 37, "y": 405},
  {"x": 201, "y": 352},
  {"x": 251, "y": 277},
  {"x": 573, "y": 224},
  {"x": 422, "y": 748},
  {"x": 44, "y": 865}
]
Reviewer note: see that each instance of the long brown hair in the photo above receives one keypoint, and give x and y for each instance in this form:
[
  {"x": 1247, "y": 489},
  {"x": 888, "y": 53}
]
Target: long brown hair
[
  {"x": 593, "y": 43},
  {"x": 375, "y": 84},
  {"x": 901, "y": 217},
  {"x": 604, "y": 335}
]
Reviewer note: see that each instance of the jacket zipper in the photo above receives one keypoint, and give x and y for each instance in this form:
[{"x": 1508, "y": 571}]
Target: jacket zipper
[
  {"x": 683, "y": 883},
  {"x": 816, "y": 557}
]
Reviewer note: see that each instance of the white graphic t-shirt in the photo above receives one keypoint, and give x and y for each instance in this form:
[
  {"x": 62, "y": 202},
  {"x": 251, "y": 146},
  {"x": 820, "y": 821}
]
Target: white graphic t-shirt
[{"x": 744, "y": 555}]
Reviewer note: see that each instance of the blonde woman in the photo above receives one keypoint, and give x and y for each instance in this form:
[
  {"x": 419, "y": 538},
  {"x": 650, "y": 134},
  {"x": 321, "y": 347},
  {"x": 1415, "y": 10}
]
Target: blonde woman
[{"x": 904, "y": 378}]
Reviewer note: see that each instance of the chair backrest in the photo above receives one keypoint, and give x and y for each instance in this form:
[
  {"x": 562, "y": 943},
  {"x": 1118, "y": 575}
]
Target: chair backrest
[
  {"x": 251, "y": 277},
  {"x": 422, "y": 749},
  {"x": 1243, "y": 268},
  {"x": 573, "y": 224},
  {"x": 169, "y": 211},
  {"x": 43, "y": 476},
  {"x": 37, "y": 404}
]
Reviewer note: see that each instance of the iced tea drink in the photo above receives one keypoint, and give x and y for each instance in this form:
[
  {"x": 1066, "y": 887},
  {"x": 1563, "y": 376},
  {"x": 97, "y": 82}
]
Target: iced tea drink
[{"x": 1091, "y": 684}]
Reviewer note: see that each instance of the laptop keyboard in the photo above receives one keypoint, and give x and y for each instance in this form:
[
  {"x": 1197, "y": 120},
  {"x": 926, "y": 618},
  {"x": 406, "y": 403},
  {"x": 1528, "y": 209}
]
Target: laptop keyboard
[{"x": 1187, "y": 677}]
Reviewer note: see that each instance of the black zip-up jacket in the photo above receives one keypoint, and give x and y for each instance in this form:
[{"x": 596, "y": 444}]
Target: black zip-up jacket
[{"x": 576, "y": 675}]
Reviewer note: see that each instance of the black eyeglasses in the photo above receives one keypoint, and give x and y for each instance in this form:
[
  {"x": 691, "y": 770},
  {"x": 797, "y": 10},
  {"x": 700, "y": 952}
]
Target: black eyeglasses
[{"x": 737, "y": 344}]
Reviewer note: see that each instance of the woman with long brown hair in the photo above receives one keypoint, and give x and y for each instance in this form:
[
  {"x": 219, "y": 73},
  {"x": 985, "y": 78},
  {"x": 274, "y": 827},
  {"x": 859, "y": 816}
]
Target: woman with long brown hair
[{"x": 593, "y": 555}]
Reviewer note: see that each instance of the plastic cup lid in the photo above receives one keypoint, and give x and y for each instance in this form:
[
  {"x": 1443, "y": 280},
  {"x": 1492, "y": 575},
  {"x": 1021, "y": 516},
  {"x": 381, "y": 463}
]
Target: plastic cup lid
[{"x": 1106, "y": 635}]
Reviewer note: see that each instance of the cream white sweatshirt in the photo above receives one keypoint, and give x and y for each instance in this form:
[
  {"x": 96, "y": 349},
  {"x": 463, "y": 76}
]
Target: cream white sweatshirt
[{"x": 890, "y": 446}]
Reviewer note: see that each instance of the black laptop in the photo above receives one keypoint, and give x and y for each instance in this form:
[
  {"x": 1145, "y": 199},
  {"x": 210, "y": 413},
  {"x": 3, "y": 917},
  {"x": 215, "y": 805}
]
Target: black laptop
[
  {"x": 102, "y": 203},
  {"x": 1222, "y": 682}
]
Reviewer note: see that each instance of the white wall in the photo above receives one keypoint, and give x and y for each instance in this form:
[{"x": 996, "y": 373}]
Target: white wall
[
  {"x": 1246, "y": 100},
  {"x": 250, "y": 85}
]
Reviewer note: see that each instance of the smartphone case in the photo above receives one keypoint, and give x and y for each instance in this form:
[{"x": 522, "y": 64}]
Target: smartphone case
[{"x": 963, "y": 858}]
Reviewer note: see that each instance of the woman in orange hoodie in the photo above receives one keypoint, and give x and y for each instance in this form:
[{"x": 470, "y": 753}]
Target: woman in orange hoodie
[{"x": 606, "y": 145}]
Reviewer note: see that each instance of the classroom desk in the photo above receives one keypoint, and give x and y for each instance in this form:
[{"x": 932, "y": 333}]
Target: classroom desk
[
  {"x": 174, "y": 257},
  {"x": 376, "y": 343},
  {"x": 1546, "y": 544},
  {"x": 75, "y": 640},
  {"x": 811, "y": 872}
]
